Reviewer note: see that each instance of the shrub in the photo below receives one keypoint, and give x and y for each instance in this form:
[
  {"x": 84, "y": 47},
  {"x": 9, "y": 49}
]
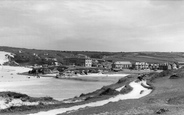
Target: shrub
[
  {"x": 126, "y": 89},
  {"x": 109, "y": 91}
]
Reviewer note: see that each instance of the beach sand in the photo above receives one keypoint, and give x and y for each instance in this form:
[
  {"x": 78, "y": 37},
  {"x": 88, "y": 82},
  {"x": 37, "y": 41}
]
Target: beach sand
[{"x": 9, "y": 77}]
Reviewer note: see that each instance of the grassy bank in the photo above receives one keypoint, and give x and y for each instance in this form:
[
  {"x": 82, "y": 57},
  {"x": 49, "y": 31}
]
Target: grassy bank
[{"x": 166, "y": 98}]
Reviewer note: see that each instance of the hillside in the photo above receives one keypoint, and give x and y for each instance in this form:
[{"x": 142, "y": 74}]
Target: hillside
[
  {"x": 152, "y": 57},
  {"x": 33, "y": 56},
  {"x": 25, "y": 56},
  {"x": 166, "y": 98}
]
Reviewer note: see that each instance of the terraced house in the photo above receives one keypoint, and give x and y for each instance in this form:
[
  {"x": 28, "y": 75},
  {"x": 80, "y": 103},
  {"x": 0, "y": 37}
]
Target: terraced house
[
  {"x": 121, "y": 65},
  {"x": 153, "y": 66},
  {"x": 168, "y": 66},
  {"x": 140, "y": 65}
]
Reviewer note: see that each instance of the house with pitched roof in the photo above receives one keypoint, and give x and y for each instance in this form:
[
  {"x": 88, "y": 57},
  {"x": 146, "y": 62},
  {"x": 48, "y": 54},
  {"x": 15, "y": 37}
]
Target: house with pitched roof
[
  {"x": 140, "y": 65},
  {"x": 121, "y": 65}
]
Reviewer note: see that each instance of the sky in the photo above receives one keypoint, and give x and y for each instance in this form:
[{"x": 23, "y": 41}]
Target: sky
[{"x": 93, "y": 25}]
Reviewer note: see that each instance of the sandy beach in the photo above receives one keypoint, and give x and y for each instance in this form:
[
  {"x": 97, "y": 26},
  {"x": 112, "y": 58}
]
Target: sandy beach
[{"x": 9, "y": 77}]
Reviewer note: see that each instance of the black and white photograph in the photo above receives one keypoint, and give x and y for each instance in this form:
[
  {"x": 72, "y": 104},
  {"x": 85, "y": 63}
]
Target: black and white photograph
[{"x": 91, "y": 57}]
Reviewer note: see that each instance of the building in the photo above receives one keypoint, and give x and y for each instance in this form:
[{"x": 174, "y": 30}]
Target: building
[
  {"x": 174, "y": 66},
  {"x": 85, "y": 62},
  {"x": 44, "y": 70},
  {"x": 51, "y": 59},
  {"x": 140, "y": 65},
  {"x": 121, "y": 65},
  {"x": 106, "y": 65},
  {"x": 95, "y": 63},
  {"x": 154, "y": 66},
  {"x": 168, "y": 66},
  {"x": 180, "y": 64},
  {"x": 165, "y": 66},
  {"x": 101, "y": 63}
]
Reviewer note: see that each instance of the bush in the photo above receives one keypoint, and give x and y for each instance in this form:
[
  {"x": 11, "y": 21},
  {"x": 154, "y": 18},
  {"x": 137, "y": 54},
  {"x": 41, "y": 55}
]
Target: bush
[
  {"x": 109, "y": 91},
  {"x": 155, "y": 75},
  {"x": 126, "y": 89},
  {"x": 176, "y": 76},
  {"x": 13, "y": 95},
  {"x": 124, "y": 80}
]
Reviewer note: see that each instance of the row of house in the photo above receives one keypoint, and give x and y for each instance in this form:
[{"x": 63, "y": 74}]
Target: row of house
[
  {"x": 145, "y": 65},
  {"x": 122, "y": 65},
  {"x": 88, "y": 62}
]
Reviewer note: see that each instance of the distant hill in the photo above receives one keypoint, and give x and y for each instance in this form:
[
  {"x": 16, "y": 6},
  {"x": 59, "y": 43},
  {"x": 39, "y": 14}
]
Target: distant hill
[
  {"x": 35, "y": 56},
  {"x": 26, "y": 56},
  {"x": 150, "y": 57}
]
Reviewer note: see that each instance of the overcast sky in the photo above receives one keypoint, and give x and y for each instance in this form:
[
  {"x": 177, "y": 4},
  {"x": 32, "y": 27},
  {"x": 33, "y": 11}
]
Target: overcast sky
[{"x": 95, "y": 25}]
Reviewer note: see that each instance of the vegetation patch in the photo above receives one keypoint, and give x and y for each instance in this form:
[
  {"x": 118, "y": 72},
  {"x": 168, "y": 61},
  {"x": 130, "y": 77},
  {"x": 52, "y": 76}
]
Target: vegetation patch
[
  {"x": 176, "y": 100},
  {"x": 162, "y": 111},
  {"x": 13, "y": 95},
  {"x": 11, "y": 101},
  {"x": 177, "y": 75},
  {"x": 148, "y": 87},
  {"x": 126, "y": 89}
]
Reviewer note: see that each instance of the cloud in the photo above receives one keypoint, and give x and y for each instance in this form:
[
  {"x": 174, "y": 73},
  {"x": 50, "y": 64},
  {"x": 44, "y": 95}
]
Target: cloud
[
  {"x": 167, "y": 3},
  {"x": 92, "y": 25}
]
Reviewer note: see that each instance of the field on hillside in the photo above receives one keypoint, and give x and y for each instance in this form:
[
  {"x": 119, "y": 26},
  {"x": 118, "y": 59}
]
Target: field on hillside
[{"x": 152, "y": 57}]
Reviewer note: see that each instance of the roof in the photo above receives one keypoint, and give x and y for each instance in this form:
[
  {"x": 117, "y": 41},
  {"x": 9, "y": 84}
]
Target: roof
[
  {"x": 141, "y": 63},
  {"x": 78, "y": 58},
  {"x": 123, "y": 62},
  {"x": 181, "y": 63}
]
